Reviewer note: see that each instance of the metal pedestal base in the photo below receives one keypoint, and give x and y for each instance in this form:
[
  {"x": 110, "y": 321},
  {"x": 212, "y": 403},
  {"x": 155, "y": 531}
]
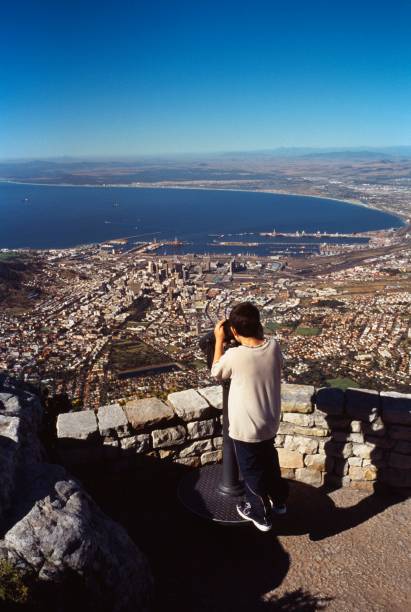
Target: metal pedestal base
[{"x": 199, "y": 491}]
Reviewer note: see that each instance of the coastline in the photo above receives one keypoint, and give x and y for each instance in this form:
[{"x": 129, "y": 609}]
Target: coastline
[{"x": 400, "y": 216}]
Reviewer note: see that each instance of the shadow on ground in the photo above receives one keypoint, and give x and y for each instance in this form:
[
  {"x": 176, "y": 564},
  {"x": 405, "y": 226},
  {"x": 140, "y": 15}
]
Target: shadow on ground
[{"x": 201, "y": 566}]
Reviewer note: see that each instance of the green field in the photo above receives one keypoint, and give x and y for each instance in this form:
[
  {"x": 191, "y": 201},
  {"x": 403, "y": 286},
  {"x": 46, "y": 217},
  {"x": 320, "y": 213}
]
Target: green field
[
  {"x": 272, "y": 325},
  {"x": 308, "y": 331},
  {"x": 341, "y": 383},
  {"x": 197, "y": 364}
]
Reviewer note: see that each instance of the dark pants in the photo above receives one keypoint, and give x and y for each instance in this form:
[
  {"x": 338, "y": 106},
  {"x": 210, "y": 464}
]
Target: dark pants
[{"x": 260, "y": 468}]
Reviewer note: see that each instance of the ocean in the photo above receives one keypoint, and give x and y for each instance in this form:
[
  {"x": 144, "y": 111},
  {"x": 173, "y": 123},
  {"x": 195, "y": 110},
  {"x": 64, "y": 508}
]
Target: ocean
[{"x": 42, "y": 217}]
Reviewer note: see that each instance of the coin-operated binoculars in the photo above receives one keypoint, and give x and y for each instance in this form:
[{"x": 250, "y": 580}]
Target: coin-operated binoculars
[{"x": 214, "y": 491}]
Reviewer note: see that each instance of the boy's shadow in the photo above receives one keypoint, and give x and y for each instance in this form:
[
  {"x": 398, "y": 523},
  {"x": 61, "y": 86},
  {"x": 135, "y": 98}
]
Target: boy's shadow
[{"x": 353, "y": 418}]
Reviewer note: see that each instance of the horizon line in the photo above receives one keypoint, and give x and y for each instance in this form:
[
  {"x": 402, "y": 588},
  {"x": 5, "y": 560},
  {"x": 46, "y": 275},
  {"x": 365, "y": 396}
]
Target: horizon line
[{"x": 129, "y": 156}]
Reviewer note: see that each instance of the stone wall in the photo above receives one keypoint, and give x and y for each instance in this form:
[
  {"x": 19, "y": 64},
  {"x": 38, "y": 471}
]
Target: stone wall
[{"x": 356, "y": 438}]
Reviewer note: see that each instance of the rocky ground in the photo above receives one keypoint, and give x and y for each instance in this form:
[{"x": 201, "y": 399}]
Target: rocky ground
[{"x": 345, "y": 551}]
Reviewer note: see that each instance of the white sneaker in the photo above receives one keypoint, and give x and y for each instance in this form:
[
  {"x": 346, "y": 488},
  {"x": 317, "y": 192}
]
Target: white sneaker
[{"x": 244, "y": 510}]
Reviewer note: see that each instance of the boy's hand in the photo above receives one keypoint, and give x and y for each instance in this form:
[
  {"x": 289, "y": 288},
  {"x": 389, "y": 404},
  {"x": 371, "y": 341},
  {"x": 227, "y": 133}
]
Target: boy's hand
[{"x": 219, "y": 331}]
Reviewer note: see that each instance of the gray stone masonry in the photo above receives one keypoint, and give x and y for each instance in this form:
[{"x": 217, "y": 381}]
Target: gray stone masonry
[
  {"x": 330, "y": 401},
  {"x": 172, "y": 436},
  {"x": 213, "y": 395},
  {"x": 74, "y": 426},
  {"x": 136, "y": 444},
  {"x": 196, "y": 447},
  {"x": 112, "y": 421},
  {"x": 362, "y": 404},
  {"x": 201, "y": 429},
  {"x": 189, "y": 405},
  {"x": 356, "y": 438},
  {"x": 297, "y": 398},
  {"x": 145, "y": 413},
  {"x": 396, "y": 407}
]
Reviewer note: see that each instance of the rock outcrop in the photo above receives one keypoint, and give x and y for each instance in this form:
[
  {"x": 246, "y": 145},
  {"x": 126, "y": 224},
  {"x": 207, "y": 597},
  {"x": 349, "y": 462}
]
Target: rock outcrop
[{"x": 52, "y": 530}]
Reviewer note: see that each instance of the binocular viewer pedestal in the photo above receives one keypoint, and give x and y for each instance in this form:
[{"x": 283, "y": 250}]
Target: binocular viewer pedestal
[{"x": 213, "y": 492}]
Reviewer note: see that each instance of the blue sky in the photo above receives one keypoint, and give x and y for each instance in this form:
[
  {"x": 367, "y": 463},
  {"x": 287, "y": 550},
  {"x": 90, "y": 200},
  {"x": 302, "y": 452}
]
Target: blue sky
[{"x": 171, "y": 76}]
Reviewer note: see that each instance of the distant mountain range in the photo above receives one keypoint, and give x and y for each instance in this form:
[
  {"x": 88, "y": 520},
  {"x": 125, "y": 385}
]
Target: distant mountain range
[{"x": 228, "y": 166}]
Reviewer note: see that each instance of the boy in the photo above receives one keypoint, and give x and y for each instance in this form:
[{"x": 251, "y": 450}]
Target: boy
[{"x": 254, "y": 405}]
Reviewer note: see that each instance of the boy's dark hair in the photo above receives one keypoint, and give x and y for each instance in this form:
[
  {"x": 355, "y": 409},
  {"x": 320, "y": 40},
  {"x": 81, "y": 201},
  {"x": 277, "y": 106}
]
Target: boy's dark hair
[{"x": 245, "y": 319}]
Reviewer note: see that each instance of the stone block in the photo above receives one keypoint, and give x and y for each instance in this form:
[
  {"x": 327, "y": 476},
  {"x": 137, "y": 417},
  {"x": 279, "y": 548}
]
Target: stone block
[
  {"x": 112, "y": 421},
  {"x": 356, "y": 426},
  {"x": 193, "y": 462},
  {"x": 213, "y": 395},
  {"x": 171, "y": 436},
  {"x": 330, "y": 401},
  {"x": 398, "y": 432},
  {"x": 368, "y": 472},
  {"x": 290, "y": 459},
  {"x": 311, "y": 431},
  {"x": 397, "y": 460},
  {"x": 286, "y": 428},
  {"x": 301, "y": 444},
  {"x": 403, "y": 447},
  {"x": 362, "y": 404},
  {"x": 74, "y": 426},
  {"x": 211, "y": 457},
  {"x": 320, "y": 419},
  {"x": 290, "y": 429},
  {"x": 355, "y": 461},
  {"x": 396, "y": 407},
  {"x": 366, "y": 451},
  {"x": 279, "y": 440},
  {"x": 136, "y": 444},
  {"x": 288, "y": 473},
  {"x": 338, "y": 449},
  {"x": 147, "y": 413},
  {"x": 166, "y": 453},
  {"x": 297, "y": 398},
  {"x": 305, "y": 420},
  {"x": 189, "y": 405},
  {"x": 196, "y": 448},
  {"x": 309, "y": 476},
  {"x": 218, "y": 442},
  {"x": 321, "y": 463},
  {"x": 201, "y": 429}
]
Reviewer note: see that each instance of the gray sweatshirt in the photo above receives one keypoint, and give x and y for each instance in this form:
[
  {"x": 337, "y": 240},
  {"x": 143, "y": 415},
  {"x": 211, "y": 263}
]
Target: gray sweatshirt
[{"x": 254, "y": 400}]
